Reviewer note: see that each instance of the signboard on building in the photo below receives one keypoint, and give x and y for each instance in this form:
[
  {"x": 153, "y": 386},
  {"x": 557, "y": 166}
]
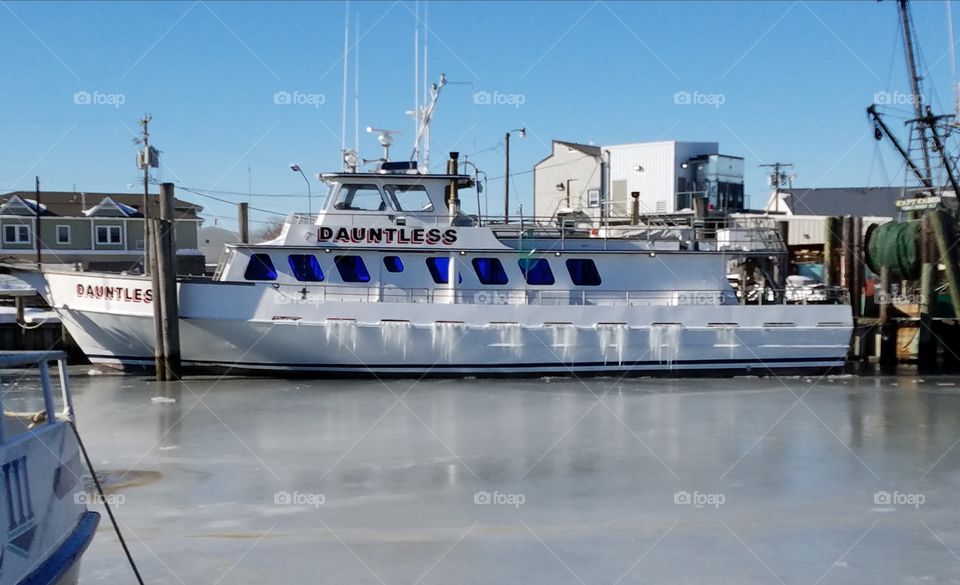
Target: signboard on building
[{"x": 918, "y": 203}]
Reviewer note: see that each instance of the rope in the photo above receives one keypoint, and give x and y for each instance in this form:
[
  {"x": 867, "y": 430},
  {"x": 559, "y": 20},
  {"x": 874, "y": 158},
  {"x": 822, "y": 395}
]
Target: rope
[
  {"x": 103, "y": 498},
  {"x": 37, "y": 325}
]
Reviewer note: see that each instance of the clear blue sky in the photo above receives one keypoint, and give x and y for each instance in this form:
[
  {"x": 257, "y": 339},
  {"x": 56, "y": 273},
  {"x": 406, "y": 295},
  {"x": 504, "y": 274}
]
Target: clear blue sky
[{"x": 793, "y": 78}]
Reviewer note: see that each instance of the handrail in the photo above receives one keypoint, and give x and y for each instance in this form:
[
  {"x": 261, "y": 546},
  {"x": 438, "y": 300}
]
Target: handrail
[
  {"x": 41, "y": 360},
  {"x": 747, "y": 233},
  {"x": 294, "y": 294}
]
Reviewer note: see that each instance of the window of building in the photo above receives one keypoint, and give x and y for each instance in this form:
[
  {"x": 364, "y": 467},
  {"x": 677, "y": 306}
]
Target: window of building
[
  {"x": 360, "y": 197},
  {"x": 409, "y": 197},
  {"x": 490, "y": 271},
  {"x": 63, "y": 234},
  {"x": 352, "y": 269},
  {"x": 583, "y": 272},
  {"x": 260, "y": 267},
  {"x": 16, "y": 234},
  {"x": 109, "y": 235},
  {"x": 305, "y": 267},
  {"x": 393, "y": 263},
  {"x": 536, "y": 271}
]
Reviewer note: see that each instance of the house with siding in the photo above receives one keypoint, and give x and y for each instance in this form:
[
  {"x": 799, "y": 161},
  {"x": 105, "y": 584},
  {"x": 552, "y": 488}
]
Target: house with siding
[{"x": 95, "y": 231}]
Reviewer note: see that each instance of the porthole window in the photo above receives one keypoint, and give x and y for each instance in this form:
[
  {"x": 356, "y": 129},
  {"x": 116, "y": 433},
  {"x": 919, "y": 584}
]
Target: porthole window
[
  {"x": 305, "y": 267},
  {"x": 351, "y": 268},
  {"x": 583, "y": 272},
  {"x": 393, "y": 263},
  {"x": 260, "y": 267},
  {"x": 536, "y": 271},
  {"x": 490, "y": 271}
]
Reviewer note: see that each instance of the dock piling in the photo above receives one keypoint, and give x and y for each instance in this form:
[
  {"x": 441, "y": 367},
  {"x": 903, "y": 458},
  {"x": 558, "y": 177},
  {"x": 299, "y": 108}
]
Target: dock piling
[{"x": 167, "y": 272}]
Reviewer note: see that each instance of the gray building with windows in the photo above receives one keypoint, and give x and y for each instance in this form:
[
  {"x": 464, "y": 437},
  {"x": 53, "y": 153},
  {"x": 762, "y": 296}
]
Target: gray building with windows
[{"x": 98, "y": 231}]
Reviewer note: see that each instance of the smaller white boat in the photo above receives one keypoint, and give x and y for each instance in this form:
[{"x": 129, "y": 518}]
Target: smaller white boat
[{"x": 43, "y": 516}]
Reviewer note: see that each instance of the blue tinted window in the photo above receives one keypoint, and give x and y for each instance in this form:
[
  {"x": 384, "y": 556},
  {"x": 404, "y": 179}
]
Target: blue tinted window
[
  {"x": 490, "y": 270},
  {"x": 393, "y": 263},
  {"x": 439, "y": 268},
  {"x": 583, "y": 272},
  {"x": 305, "y": 267},
  {"x": 351, "y": 268},
  {"x": 536, "y": 270},
  {"x": 260, "y": 267}
]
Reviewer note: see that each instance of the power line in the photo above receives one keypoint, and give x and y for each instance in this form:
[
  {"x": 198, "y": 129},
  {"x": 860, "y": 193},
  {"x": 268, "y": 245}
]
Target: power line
[{"x": 189, "y": 190}]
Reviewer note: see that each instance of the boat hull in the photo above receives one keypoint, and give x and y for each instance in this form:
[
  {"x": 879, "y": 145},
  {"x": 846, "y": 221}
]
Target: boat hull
[
  {"x": 44, "y": 507},
  {"x": 260, "y": 328}
]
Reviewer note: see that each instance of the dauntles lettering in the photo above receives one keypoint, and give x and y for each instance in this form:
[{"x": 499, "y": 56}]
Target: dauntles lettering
[
  {"x": 115, "y": 293},
  {"x": 417, "y": 236}
]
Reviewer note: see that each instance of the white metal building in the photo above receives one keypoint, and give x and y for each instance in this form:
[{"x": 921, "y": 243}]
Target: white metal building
[{"x": 599, "y": 181}]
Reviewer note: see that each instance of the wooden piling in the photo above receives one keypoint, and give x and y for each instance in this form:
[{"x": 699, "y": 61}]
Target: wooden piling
[
  {"x": 945, "y": 247},
  {"x": 243, "y": 212},
  {"x": 20, "y": 333},
  {"x": 856, "y": 293},
  {"x": 927, "y": 339},
  {"x": 150, "y": 231},
  {"x": 167, "y": 268},
  {"x": 830, "y": 259},
  {"x": 888, "y": 328}
]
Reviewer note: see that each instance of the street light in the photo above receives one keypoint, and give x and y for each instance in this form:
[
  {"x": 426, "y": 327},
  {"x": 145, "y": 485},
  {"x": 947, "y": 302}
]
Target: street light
[
  {"x": 521, "y": 132},
  {"x": 296, "y": 168}
]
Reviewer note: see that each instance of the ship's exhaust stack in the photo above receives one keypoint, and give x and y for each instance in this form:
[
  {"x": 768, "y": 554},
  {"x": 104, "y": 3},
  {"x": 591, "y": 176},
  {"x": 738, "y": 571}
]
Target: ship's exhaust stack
[{"x": 453, "y": 196}]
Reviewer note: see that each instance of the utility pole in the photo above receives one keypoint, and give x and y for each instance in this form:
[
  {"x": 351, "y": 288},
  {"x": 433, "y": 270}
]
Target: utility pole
[
  {"x": 36, "y": 235},
  {"x": 776, "y": 180},
  {"x": 146, "y": 159}
]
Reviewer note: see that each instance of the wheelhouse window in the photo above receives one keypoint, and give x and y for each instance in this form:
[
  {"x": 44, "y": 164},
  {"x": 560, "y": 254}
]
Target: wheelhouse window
[
  {"x": 351, "y": 269},
  {"x": 260, "y": 267},
  {"x": 63, "y": 234},
  {"x": 409, "y": 197},
  {"x": 109, "y": 235},
  {"x": 536, "y": 271},
  {"x": 583, "y": 272},
  {"x": 305, "y": 267},
  {"x": 360, "y": 197},
  {"x": 490, "y": 271},
  {"x": 439, "y": 267},
  {"x": 16, "y": 234},
  {"x": 393, "y": 263}
]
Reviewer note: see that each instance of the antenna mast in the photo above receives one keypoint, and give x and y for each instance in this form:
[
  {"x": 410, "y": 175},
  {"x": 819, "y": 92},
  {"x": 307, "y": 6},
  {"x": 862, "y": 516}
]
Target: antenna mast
[
  {"x": 953, "y": 59},
  {"x": 356, "y": 91},
  {"x": 346, "y": 69},
  {"x": 914, "y": 83}
]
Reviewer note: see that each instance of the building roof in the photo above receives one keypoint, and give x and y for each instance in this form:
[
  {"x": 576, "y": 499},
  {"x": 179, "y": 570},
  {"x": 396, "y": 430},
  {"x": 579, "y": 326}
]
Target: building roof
[
  {"x": 584, "y": 148},
  {"x": 77, "y": 204},
  {"x": 836, "y": 201}
]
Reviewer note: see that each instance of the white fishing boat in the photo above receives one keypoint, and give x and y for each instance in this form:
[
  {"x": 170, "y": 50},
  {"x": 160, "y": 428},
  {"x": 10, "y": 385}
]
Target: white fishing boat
[
  {"x": 391, "y": 278},
  {"x": 45, "y": 522}
]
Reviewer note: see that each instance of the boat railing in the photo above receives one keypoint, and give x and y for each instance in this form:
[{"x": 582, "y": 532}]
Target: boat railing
[
  {"x": 41, "y": 360},
  {"x": 701, "y": 233},
  {"x": 298, "y": 295}
]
